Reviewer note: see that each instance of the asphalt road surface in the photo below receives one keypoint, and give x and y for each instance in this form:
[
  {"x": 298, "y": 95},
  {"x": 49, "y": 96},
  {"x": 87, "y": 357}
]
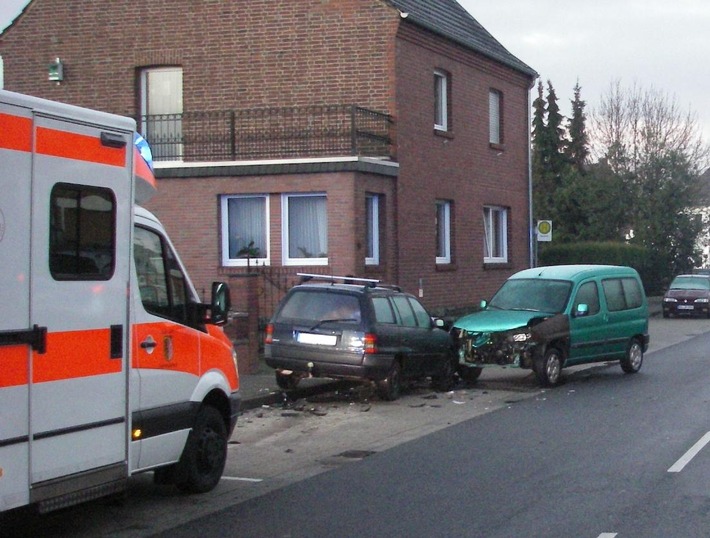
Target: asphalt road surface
[{"x": 604, "y": 455}]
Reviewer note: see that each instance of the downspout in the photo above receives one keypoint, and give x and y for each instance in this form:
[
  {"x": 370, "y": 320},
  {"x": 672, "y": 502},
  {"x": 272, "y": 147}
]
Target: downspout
[{"x": 531, "y": 229}]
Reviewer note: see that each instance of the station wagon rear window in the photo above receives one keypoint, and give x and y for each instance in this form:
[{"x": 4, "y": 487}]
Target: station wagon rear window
[{"x": 316, "y": 306}]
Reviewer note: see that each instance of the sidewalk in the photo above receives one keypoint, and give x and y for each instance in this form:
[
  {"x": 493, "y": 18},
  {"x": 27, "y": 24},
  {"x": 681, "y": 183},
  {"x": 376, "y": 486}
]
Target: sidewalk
[{"x": 260, "y": 388}]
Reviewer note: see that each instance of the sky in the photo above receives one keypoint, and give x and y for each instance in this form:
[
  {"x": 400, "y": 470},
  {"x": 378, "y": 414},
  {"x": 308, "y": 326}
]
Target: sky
[{"x": 659, "y": 45}]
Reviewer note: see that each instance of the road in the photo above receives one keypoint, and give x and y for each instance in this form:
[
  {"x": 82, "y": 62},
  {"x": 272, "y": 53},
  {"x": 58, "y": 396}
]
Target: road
[{"x": 589, "y": 458}]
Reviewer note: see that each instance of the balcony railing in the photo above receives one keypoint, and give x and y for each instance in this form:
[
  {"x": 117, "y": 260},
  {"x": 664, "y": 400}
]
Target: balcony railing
[{"x": 269, "y": 133}]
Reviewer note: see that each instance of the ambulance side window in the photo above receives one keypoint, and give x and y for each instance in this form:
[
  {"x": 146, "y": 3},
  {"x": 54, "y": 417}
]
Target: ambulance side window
[
  {"x": 162, "y": 284},
  {"x": 82, "y": 231}
]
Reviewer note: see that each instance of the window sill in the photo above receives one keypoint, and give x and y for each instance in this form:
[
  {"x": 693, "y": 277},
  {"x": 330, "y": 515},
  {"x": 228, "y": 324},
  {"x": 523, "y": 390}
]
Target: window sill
[
  {"x": 497, "y": 147},
  {"x": 446, "y": 267},
  {"x": 496, "y": 265},
  {"x": 448, "y": 135}
]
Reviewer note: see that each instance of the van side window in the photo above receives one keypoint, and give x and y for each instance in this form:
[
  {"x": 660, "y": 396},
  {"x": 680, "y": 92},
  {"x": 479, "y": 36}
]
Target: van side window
[
  {"x": 622, "y": 294},
  {"x": 588, "y": 294},
  {"x": 82, "y": 231},
  {"x": 162, "y": 284}
]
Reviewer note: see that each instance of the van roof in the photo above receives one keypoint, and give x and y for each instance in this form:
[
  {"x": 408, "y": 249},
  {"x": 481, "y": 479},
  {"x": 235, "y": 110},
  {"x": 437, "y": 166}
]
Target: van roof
[{"x": 575, "y": 272}]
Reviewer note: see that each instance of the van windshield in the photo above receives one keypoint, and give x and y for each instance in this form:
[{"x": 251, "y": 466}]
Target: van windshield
[{"x": 536, "y": 295}]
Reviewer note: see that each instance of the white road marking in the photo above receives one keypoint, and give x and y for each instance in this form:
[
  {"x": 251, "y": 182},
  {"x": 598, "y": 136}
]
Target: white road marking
[
  {"x": 683, "y": 461},
  {"x": 241, "y": 479},
  {"x": 608, "y": 535}
]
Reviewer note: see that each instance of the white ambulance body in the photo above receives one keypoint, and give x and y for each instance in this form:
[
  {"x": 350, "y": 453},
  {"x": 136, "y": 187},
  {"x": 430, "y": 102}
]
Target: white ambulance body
[{"x": 109, "y": 364}]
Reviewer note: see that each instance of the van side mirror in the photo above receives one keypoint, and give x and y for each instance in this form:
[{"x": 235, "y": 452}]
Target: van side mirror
[
  {"x": 220, "y": 304},
  {"x": 581, "y": 311}
]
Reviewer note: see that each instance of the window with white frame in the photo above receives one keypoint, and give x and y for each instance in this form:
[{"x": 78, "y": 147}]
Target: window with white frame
[
  {"x": 245, "y": 230},
  {"x": 443, "y": 231},
  {"x": 161, "y": 111},
  {"x": 441, "y": 100},
  {"x": 372, "y": 212},
  {"x": 495, "y": 225},
  {"x": 305, "y": 229},
  {"x": 495, "y": 102}
]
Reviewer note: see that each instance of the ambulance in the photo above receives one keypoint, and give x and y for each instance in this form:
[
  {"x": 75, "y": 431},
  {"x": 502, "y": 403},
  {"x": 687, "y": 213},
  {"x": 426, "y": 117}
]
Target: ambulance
[{"x": 110, "y": 364}]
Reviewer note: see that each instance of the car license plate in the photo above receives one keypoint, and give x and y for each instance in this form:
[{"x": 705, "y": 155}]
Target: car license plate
[
  {"x": 318, "y": 339},
  {"x": 685, "y": 307}
]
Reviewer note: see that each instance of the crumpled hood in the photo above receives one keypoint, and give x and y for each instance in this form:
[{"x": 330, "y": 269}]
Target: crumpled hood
[{"x": 492, "y": 320}]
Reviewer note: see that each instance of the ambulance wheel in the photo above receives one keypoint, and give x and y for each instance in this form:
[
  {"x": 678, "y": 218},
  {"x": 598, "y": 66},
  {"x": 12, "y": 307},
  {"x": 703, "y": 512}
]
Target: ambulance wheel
[{"x": 202, "y": 462}]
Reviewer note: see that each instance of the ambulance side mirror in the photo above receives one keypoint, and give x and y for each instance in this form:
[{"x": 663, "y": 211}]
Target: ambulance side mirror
[{"x": 220, "y": 304}]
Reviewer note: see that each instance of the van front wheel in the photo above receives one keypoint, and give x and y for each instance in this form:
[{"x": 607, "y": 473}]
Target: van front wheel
[
  {"x": 633, "y": 360},
  {"x": 202, "y": 462},
  {"x": 549, "y": 368}
]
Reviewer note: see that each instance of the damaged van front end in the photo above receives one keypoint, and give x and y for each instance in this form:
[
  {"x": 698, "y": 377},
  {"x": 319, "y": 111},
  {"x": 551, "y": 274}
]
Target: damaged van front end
[{"x": 505, "y": 339}]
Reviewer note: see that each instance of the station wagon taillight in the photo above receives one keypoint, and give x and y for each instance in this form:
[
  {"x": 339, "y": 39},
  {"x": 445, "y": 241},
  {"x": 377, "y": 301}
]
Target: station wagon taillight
[
  {"x": 269, "y": 334},
  {"x": 370, "y": 342}
]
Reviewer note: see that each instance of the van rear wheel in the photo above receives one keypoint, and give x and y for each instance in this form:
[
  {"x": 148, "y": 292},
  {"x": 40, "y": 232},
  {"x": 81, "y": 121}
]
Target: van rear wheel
[
  {"x": 202, "y": 462},
  {"x": 548, "y": 369},
  {"x": 633, "y": 360}
]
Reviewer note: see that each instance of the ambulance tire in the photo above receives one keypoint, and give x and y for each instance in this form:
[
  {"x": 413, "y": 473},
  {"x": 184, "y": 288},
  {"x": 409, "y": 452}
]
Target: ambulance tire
[{"x": 202, "y": 462}]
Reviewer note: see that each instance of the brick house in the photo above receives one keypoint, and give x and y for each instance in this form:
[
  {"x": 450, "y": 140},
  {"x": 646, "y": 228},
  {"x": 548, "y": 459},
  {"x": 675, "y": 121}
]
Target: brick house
[{"x": 380, "y": 138}]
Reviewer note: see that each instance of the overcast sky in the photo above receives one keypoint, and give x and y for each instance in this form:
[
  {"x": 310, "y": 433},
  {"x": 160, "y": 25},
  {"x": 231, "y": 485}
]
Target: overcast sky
[{"x": 659, "y": 44}]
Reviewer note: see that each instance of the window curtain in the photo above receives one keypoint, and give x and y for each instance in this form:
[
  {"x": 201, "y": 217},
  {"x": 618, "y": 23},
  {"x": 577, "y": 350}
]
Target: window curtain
[
  {"x": 247, "y": 224},
  {"x": 308, "y": 227}
]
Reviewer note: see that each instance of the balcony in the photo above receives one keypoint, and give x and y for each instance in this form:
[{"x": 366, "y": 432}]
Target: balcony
[{"x": 268, "y": 133}]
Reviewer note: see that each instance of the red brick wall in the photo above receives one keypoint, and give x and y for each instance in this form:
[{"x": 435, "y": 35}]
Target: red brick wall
[
  {"x": 190, "y": 211},
  {"x": 298, "y": 52},
  {"x": 235, "y": 55},
  {"x": 462, "y": 167}
]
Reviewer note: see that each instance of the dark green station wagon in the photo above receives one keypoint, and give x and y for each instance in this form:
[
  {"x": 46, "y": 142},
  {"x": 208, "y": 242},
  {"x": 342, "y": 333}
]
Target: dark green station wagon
[{"x": 547, "y": 318}]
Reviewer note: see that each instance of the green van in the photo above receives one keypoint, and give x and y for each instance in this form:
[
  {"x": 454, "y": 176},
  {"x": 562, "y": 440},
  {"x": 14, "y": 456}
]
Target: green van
[{"x": 547, "y": 318}]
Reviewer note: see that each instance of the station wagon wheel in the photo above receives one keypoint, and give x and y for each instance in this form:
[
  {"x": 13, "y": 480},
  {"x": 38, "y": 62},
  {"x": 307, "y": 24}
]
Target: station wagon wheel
[
  {"x": 287, "y": 381},
  {"x": 446, "y": 379},
  {"x": 470, "y": 374},
  {"x": 391, "y": 387},
  {"x": 549, "y": 368},
  {"x": 202, "y": 462},
  {"x": 633, "y": 360}
]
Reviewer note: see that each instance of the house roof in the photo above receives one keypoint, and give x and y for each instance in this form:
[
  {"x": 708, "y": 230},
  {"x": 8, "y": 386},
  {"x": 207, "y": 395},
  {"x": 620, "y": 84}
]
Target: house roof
[{"x": 449, "y": 19}]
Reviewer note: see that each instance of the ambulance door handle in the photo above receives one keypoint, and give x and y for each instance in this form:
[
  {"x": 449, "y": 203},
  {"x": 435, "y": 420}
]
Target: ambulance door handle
[{"x": 149, "y": 344}]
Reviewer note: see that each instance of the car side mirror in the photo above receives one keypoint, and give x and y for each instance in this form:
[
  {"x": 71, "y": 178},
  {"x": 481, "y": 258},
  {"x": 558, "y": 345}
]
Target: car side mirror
[
  {"x": 484, "y": 304},
  {"x": 581, "y": 311},
  {"x": 438, "y": 322},
  {"x": 220, "y": 304}
]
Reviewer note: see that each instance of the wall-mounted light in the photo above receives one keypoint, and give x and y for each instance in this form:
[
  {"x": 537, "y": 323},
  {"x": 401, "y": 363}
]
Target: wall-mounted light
[{"x": 56, "y": 71}]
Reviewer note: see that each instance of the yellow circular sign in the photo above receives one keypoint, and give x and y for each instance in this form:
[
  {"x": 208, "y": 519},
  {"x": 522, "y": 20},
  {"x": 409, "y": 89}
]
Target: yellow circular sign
[{"x": 544, "y": 227}]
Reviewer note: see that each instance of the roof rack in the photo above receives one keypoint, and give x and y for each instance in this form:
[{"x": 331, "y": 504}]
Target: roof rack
[{"x": 371, "y": 282}]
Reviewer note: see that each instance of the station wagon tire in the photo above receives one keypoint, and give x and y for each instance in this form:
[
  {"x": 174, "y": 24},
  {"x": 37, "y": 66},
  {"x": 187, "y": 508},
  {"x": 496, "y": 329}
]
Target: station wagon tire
[
  {"x": 202, "y": 462},
  {"x": 287, "y": 381},
  {"x": 391, "y": 387},
  {"x": 470, "y": 374},
  {"x": 633, "y": 360},
  {"x": 548, "y": 369},
  {"x": 445, "y": 381}
]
